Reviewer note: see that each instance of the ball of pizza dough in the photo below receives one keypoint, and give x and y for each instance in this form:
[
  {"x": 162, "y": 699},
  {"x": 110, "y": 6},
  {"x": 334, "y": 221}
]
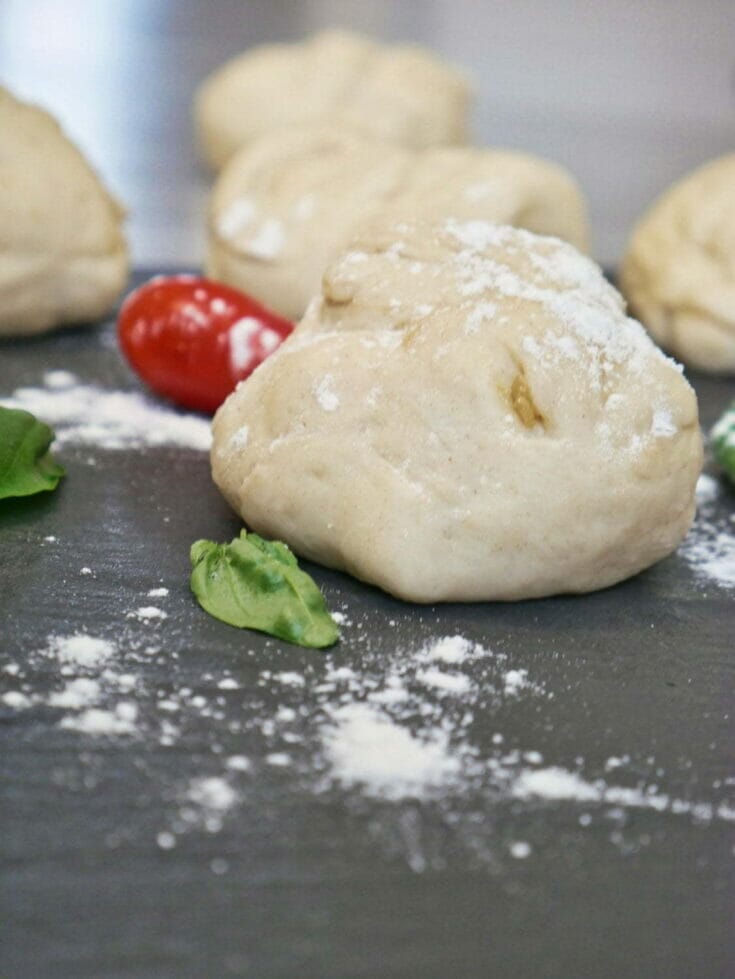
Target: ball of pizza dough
[
  {"x": 465, "y": 413},
  {"x": 63, "y": 257},
  {"x": 401, "y": 94},
  {"x": 679, "y": 270},
  {"x": 287, "y": 203}
]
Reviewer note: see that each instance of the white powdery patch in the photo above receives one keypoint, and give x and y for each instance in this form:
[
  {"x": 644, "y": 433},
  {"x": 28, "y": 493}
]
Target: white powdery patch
[
  {"x": 449, "y": 649},
  {"x": 58, "y": 379},
  {"x": 228, "y": 683},
  {"x": 481, "y": 314},
  {"x": 218, "y": 306},
  {"x": 290, "y": 678},
  {"x": 207, "y": 801},
  {"x": 158, "y": 592},
  {"x": 83, "y": 414},
  {"x": 662, "y": 424},
  {"x": 452, "y": 683},
  {"x": 81, "y": 650},
  {"x": 514, "y": 681},
  {"x": 238, "y": 763},
  {"x": 86, "y": 698},
  {"x": 76, "y": 694},
  {"x": 326, "y": 395},
  {"x": 16, "y": 699},
  {"x": 212, "y": 792},
  {"x": 238, "y": 440},
  {"x": 367, "y": 749},
  {"x": 403, "y": 734},
  {"x": 556, "y": 784},
  {"x": 711, "y": 553},
  {"x": 355, "y": 258},
  {"x": 244, "y": 350},
  {"x": 269, "y": 339},
  {"x": 707, "y": 489},
  {"x": 709, "y": 548},
  {"x": 148, "y": 613},
  {"x": 565, "y": 284},
  {"x": 241, "y": 336},
  {"x": 268, "y": 241},
  {"x": 97, "y": 722},
  {"x": 479, "y": 235},
  {"x": 235, "y": 218}
]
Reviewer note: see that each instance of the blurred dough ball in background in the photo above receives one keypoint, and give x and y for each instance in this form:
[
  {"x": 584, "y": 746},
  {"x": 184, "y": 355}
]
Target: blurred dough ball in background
[
  {"x": 287, "y": 203},
  {"x": 496, "y": 185},
  {"x": 465, "y": 413},
  {"x": 63, "y": 256},
  {"x": 401, "y": 94},
  {"x": 678, "y": 273}
]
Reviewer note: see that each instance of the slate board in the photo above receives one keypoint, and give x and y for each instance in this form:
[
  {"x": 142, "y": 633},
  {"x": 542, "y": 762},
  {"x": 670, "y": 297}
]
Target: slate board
[{"x": 307, "y": 880}]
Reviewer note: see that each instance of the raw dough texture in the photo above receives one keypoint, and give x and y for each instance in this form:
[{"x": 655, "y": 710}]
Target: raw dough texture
[
  {"x": 286, "y": 205},
  {"x": 465, "y": 413},
  {"x": 679, "y": 270},
  {"x": 290, "y": 201},
  {"x": 63, "y": 257},
  {"x": 401, "y": 94}
]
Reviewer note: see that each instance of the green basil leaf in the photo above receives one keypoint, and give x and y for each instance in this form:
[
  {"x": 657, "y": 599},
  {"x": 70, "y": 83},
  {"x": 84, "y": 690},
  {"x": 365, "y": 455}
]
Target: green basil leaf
[
  {"x": 26, "y": 466},
  {"x": 257, "y": 584},
  {"x": 723, "y": 441}
]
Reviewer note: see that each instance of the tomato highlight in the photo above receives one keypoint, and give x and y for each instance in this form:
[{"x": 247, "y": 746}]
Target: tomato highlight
[{"x": 193, "y": 340}]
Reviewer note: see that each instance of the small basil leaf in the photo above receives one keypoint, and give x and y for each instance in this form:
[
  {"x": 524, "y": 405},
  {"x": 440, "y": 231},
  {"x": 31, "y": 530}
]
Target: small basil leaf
[
  {"x": 26, "y": 465},
  {"x": 257, "y": 584},
  {"x": 723, "y": 441}
]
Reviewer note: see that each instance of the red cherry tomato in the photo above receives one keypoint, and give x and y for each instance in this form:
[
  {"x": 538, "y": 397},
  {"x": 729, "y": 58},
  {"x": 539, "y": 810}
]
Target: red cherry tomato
[{"x": 192, "y": 340}]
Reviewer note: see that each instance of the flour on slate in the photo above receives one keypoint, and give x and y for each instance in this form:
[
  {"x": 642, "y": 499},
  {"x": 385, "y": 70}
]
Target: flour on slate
[
  {"x": 709, "y": 548},
  {"x": 84, "y": 414},
  {"x": 389, "y": 736}
]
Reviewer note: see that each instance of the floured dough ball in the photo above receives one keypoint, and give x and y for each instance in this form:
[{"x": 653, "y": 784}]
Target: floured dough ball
[
  {"x": 679, "y": 270},
  {"x": 401, "y": 94},
  {"x": 465, "y": 413},
  {"x": 285, "y": 205},
  {"x": 63, "y": 257}
]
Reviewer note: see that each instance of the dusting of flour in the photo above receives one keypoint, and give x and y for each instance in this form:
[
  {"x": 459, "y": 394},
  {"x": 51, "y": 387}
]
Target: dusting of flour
[
  {"x": 84, "y": 414},
  {"x": 709, "y": 548},
  {"x": 396, "y": 730},
  {"x": 366, "y": 748},
  {"x": 591, "y": 329}
]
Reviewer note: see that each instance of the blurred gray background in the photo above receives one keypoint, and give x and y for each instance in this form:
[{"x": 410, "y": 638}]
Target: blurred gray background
[{"x": 629, "y": 94}]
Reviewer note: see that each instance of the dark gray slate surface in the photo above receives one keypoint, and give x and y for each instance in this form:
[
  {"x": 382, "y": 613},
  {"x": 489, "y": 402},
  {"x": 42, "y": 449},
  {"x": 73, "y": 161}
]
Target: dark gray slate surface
[{"x": 304, "y": 878}]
